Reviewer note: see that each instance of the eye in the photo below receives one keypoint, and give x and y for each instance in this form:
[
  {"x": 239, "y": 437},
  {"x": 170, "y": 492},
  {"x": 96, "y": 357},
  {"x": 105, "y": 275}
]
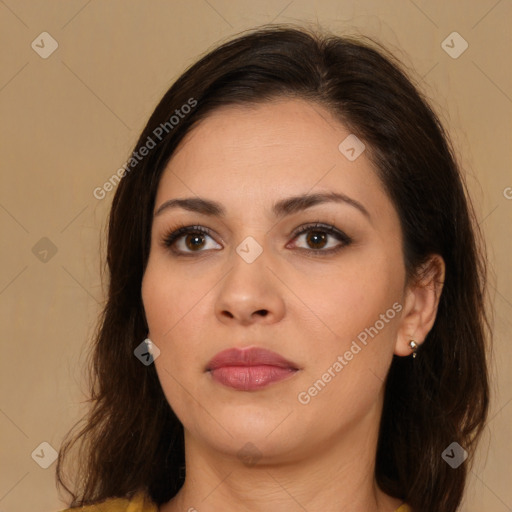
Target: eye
[
  {"x": 187, "y": 239},
  {"x": 317, "y": 236}
]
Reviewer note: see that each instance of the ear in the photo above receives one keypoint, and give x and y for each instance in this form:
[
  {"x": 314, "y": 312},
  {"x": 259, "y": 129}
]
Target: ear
[{"x": 420, "y": 305}]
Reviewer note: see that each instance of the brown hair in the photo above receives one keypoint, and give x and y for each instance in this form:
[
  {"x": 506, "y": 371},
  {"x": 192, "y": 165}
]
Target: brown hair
[{"x": 132, "y": 440}]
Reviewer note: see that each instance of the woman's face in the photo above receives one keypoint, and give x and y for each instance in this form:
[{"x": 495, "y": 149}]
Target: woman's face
[{"x": 329, "y": 304}]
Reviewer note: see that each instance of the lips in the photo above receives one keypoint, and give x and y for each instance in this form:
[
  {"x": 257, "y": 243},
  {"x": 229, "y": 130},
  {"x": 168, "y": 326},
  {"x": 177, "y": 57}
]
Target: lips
[{"x": 250, "y": 369}]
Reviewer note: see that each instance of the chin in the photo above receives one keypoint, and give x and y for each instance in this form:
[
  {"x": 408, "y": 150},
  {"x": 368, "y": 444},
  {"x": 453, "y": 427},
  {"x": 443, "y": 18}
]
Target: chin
[{"x": 266, "y": 436}]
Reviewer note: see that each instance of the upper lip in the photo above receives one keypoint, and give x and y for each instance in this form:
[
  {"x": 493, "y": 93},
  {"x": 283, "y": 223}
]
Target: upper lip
[{"x": 251, "y": 356}]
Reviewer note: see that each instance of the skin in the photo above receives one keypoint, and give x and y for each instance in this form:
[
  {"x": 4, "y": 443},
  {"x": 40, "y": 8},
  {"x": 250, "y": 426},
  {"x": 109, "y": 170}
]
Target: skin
[{"x": 314, "y": 456}]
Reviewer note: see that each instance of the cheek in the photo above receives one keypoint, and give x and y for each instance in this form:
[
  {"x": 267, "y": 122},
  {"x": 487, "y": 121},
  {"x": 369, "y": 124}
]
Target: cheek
[
  {"x": 169, "y": 296},
  {"x": 178, "y": 306},
  {"x": 170, "y": 303},
  {"x": 359, "y": 321},
  {"x": 357, "y": 310},
  {"x": 353, "y": 295}
]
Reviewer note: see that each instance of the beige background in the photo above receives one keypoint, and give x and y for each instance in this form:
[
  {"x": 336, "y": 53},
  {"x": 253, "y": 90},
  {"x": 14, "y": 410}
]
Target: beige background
[{"x": 69, "y": 121}]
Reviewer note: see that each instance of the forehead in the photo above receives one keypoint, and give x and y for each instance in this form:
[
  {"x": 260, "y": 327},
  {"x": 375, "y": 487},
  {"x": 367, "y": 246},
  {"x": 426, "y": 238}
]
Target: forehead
[
  {"x": 267, "y": 133},
  {"x": 250, "y": 155}
]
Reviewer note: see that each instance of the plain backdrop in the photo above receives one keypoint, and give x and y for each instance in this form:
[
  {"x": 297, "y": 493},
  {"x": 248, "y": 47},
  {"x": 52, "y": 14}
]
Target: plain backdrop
[{"x": 69, "y": 120}]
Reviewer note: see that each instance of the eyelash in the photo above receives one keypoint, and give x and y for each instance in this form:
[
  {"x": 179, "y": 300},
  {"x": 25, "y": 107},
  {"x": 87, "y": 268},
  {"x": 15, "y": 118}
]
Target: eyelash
[{"x": 174, "y": 234}]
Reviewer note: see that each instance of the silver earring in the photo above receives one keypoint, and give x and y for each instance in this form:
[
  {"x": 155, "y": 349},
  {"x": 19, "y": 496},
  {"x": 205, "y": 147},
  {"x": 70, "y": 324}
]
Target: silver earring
[
  {"x": 149, "y": 344},
  {"x": 414, "y": 347}
]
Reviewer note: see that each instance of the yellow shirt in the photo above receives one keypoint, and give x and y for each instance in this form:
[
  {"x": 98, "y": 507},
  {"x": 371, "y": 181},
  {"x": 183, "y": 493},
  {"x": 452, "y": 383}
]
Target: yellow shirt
[{"x": 136, "y": 504}]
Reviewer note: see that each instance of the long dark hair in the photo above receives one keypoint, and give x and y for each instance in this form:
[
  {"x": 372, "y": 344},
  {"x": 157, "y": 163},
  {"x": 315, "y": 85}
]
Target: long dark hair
[{"x": 131, "y": 440}]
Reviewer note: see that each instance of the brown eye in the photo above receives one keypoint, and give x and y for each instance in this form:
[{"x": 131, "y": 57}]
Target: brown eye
[
  {"x": 194, "y": 241},
  {"x": 317, "y": 238},
  {"x": 188, "y": 240}
]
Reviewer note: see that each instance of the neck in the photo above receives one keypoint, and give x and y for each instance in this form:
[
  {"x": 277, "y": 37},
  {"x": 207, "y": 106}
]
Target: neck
[{"x": 337, "y": 475}]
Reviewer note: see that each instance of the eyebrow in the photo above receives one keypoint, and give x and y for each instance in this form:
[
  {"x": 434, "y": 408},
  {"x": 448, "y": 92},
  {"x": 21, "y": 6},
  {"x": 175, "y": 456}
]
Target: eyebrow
[{"x": 280, "y": 209}]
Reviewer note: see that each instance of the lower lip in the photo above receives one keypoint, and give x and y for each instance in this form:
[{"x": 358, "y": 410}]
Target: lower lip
[{"x": 250, "y": 378}]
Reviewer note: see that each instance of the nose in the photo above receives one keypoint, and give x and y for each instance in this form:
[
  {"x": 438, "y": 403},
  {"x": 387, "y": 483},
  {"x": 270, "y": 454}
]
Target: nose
[{"x": 250, "y": 293}]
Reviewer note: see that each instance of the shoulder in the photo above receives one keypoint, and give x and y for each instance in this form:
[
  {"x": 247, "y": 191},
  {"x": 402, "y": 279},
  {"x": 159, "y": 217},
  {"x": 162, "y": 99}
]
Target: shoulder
[
  {"x": 139, "y": 503},
  {"x": 404, "y": 508}
]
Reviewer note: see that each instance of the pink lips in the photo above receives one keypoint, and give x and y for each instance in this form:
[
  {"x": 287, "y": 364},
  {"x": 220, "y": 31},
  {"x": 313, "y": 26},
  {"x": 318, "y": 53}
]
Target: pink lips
[{"x": 249, "y": 369}]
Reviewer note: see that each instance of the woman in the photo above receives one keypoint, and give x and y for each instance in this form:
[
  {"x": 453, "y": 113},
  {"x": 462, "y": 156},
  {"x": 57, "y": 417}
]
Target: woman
[{"x": 295, "y": 316}]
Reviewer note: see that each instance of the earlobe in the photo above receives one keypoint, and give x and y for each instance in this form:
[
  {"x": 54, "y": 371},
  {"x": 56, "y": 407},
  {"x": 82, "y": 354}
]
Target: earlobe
[
  {"x": 421, "y": 305},
  {"x": 149, "y": 344}
]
